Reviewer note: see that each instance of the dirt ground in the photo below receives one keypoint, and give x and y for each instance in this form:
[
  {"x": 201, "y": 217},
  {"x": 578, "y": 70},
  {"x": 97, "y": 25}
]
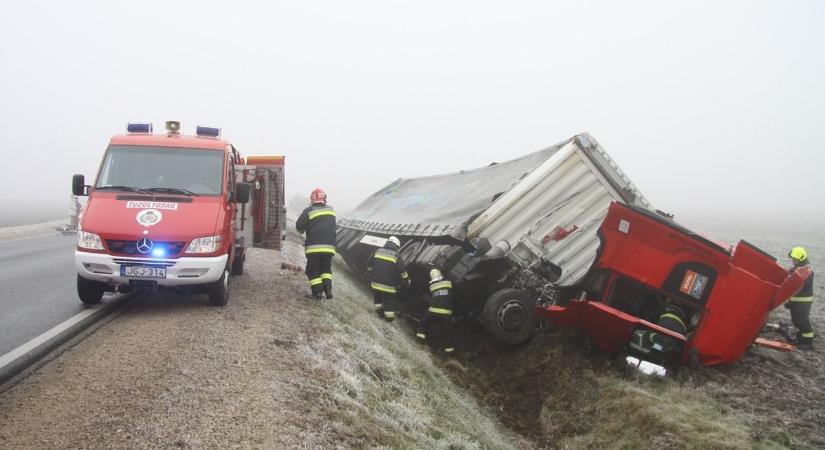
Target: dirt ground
[
  {"x": 782, "y": 393},
  {"x": 174, "y": 372}
]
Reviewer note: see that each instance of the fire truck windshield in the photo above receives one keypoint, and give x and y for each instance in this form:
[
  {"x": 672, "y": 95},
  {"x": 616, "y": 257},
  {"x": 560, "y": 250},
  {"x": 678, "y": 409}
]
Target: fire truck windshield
[{"x": 187, "y": 171}]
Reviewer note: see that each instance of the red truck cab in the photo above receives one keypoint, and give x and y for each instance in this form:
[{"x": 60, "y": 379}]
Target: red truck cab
[
  {"x": 647, "y": 262},
  {"x": 161, "y": 214}
]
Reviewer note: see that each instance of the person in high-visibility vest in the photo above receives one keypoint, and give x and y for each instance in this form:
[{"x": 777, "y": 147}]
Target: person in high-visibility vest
[
  {"x": 673, "y": 319},
  {"x": 437, "y": 326},
  {"x": 387, "y": 272},
  {"x": 318, "y": 221},
  {"x": 800, "y": 303}
]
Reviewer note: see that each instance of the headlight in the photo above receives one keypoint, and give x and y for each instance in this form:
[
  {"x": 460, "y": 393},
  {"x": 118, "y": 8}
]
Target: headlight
[
  {"x": 88, "y": 240},
  {"x": 207, "y": 244}
]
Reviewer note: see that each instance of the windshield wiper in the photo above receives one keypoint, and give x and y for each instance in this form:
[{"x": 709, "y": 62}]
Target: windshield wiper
[
  {"x": 170, "y": 190},
  {"x": 121, "y": 188}
]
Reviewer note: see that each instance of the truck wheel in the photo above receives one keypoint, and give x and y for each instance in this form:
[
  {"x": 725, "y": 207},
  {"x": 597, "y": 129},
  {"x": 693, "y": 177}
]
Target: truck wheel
[
  {"x": 509, "y": 314},
  {"x": 90, "y": 292},
  {"x": 237, "y": 265},
  {"x": 219, "y": 291}
]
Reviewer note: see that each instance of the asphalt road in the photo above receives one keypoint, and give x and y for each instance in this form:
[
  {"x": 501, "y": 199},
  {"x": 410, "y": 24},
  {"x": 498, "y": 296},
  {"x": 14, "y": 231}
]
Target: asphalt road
[{"x": 37, "y": 287}]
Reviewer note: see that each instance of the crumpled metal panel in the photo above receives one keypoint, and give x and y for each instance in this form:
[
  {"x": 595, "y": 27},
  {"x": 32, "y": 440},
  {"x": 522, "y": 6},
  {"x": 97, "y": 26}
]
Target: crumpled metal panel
[
  {"x": 542, "y": 208},
  {"x": 441, "y": 205}
]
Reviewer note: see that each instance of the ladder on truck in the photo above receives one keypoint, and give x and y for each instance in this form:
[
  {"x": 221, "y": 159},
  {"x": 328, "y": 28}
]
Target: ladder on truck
[{"x": 262, "y": 221}]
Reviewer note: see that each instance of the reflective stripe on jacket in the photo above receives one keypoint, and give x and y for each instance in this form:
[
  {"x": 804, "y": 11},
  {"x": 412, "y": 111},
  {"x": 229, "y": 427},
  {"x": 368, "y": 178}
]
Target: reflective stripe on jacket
[
  {"x": 442, "y": 303},
  {"x": 806, "y": 292},
  {"x": 318, "y": 221},
  {"x": 388, "y": 269}
]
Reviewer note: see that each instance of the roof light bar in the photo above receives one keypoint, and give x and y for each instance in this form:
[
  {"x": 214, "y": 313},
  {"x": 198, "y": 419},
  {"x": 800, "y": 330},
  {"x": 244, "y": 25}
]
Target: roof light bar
[
  {"x": 208, "y": 131},
  {"x": 138, "y": 127},
  {"x": 173, "y": 126}
]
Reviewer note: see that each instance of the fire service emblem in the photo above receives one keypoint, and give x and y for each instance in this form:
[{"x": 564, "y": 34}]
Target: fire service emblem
[{"x": 149, "y": 217}]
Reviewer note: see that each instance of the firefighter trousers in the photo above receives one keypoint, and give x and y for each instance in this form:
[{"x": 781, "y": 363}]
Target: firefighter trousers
[
  {"x": 437, "y": 330},
  {"x": 319, "y": 273},
  {"x": 384, "y": 304},
  {"x": 801, "y": 318}
]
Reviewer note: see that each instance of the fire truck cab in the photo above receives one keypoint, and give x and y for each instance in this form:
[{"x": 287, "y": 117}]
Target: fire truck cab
[
  {"x": 646, "y": 264},
  {"x": 168, "y": 211}
]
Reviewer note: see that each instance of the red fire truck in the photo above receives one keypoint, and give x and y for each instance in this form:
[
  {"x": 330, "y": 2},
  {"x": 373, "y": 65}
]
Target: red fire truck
[{"x": 169, "y": 211}]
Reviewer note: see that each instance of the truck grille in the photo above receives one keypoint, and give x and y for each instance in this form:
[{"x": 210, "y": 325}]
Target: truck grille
[{"x": 129, "y": 248}]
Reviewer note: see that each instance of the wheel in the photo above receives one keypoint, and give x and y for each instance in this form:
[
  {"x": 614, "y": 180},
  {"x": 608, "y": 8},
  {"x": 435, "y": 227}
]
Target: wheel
[
  {"x": 509, "y": 314},
  {"x": 90, "y": 292},
  {"x": 219, "y": 291},
  {"x": 237, "y": 265}
]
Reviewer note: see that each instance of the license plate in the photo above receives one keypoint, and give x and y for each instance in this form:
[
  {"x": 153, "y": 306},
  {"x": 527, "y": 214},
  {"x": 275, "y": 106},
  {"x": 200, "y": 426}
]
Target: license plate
[{"x": 142, "y": 272}]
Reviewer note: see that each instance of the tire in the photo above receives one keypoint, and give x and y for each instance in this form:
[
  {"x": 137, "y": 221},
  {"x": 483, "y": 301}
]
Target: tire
[
  {"x": 219, "y": 290},
  {"x": 237, "y": 265},
  {"x": 90, "y": 292},
  {"x": 509, "y": 315}
]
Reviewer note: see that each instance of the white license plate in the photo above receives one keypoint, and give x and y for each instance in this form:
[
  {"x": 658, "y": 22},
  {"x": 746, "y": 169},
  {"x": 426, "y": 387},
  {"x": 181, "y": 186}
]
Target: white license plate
[{"x": 142, "y": 272}]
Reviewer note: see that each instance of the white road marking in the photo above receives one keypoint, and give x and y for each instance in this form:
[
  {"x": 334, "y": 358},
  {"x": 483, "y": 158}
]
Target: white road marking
[{"x": 45, "y": 337}]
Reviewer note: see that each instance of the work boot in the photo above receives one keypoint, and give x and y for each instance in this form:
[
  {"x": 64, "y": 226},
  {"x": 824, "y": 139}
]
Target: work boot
[
  {"x": 328, "y": 292},
  {"x": 805, "y": 344}
]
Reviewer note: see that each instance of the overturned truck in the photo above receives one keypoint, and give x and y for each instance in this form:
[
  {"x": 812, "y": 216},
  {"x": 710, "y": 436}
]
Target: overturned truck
[{"x": 563, "y": 234}]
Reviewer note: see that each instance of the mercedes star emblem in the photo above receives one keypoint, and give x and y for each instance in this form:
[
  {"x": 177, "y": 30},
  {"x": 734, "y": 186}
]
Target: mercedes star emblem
[{"x": 144, "y": 245}]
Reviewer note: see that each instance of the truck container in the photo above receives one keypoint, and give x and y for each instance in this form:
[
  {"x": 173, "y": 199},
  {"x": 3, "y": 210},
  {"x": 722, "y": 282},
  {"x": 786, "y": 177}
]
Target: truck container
[{"x": 169, "y": 211}]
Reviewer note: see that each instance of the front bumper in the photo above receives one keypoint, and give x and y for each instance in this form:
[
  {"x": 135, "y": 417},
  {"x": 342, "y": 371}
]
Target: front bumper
[{"x": 184, "y": 271}]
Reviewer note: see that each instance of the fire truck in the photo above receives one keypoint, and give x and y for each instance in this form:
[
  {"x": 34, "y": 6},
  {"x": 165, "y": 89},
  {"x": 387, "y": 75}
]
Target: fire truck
[{"x": 173, "y": 211}]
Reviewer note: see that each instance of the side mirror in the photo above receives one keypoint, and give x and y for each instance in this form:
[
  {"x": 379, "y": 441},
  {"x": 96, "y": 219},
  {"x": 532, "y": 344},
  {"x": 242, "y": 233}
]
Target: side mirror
[
  {"x": 241, "y": 193},
  {"x": 79, "y": 185}
]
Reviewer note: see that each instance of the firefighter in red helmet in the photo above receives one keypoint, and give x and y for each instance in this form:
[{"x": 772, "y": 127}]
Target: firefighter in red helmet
[{"x": 318, "y": 222}]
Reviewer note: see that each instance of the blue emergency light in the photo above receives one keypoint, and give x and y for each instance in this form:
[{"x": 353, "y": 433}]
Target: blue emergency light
[
  {"x": 208, "y": 131},
  {"x": 138, "y": 127},
  {"x": 158, "y": 252}
]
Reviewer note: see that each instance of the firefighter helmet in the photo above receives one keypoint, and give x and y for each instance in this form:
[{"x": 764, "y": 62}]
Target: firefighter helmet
[
  {"x": 673, "y": 309},
  {"x": 798, "y": 254},
  {"x": 435, "y": 275},
  {"x": 395, "y": 241},
  {"x": 318, "y": 196}
]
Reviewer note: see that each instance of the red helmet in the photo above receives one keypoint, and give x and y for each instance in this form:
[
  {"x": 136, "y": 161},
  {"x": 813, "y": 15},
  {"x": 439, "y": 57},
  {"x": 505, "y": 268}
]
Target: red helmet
[{"x": 318, "y": 196}]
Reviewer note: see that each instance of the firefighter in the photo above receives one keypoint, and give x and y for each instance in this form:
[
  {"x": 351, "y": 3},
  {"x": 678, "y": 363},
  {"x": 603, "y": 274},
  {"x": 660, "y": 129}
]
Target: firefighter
[
  {"x": 437, "y": 326},
  {"x": 318, "y": 221},
  {"x": 645, "y": 340},
  {"x": 673, "y": 319},
  {"x": 800, "y": 303},
  {"x": 387, "y": 272}
]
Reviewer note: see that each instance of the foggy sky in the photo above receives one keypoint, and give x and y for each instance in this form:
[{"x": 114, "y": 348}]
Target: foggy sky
[{"x": 714, "y": 109}]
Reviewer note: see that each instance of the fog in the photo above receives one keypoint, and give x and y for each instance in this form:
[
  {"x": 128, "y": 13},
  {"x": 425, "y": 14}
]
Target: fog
[{"x": 714, "y": 109}]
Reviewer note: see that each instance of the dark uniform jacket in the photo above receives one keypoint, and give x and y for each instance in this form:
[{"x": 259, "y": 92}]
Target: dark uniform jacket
[
  {"x": 442, "y": 303},
  {"x": 806, "y": 293},
  {"x": 318, "y": 221},
  {"x": 388, "y": 269}
]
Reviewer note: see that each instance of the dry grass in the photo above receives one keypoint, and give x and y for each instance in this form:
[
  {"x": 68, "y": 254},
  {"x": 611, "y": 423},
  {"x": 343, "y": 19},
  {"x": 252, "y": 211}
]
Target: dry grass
[
  {"x": 599, "y": 411},
  {"x": 386, "y": 391},
  {"x": 559, "y": 392}
]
